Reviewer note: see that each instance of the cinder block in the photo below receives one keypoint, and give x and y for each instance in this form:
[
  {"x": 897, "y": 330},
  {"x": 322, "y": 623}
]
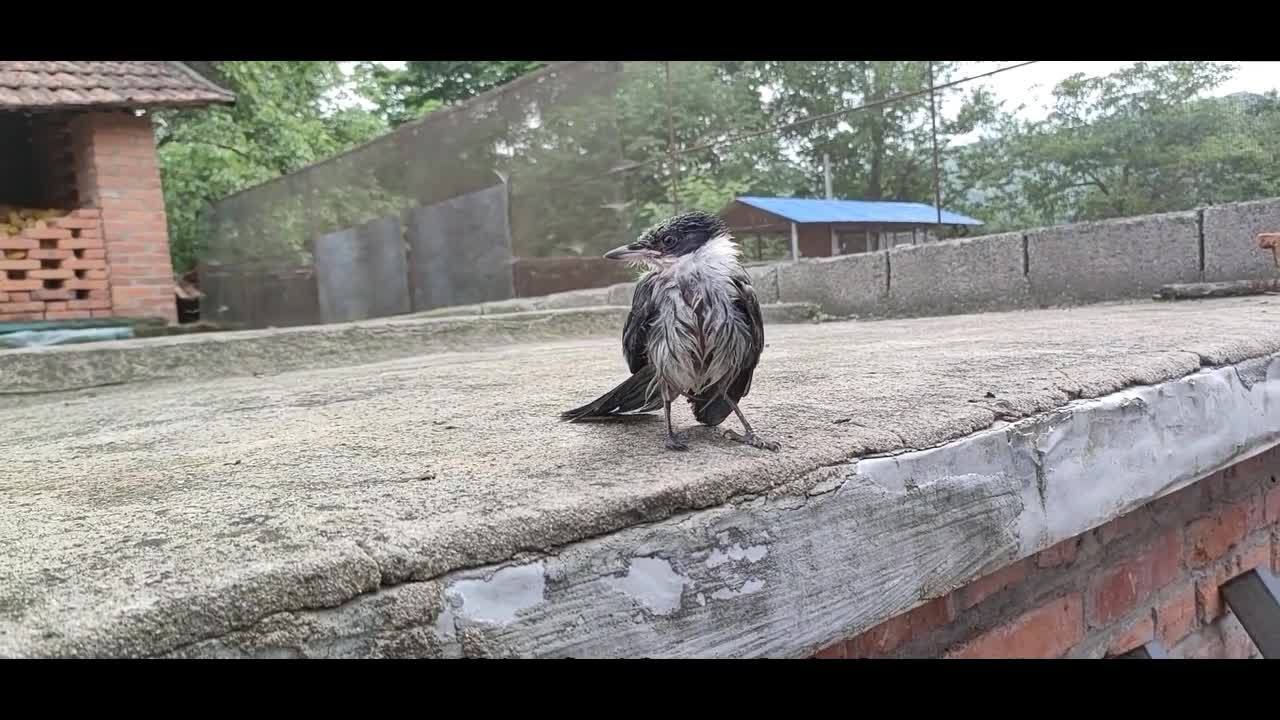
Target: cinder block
[
  {"x": 590, "y": 297},
  {"x": 1231, "y": 249},
  {"x": 958, "y": 276},
  {"x": 1113, "y": 260},
  {"x": 622, "y": 293},
  {"x": 764, "y": 279},
  {"x": 843, "y": 285}
]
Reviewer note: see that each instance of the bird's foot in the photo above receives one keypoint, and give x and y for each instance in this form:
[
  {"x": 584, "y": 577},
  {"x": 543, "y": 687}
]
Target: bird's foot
[
  {"x": 753, "y": 440},
  {"x": 676, "y": 441}
]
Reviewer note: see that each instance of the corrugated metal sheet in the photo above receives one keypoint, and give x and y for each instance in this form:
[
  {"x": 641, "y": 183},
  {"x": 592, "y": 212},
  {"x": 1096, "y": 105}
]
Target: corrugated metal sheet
[{"x": 809, "y": 210}]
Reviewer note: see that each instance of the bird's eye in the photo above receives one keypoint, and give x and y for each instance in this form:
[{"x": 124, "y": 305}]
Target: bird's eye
[{"x": 668, "y": 241}]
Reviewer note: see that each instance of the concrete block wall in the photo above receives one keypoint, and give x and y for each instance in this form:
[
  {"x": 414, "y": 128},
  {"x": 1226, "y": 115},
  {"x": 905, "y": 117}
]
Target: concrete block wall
[
  {"x": 1153, "y": 573},
  {"x": 1060, "y": 266}
]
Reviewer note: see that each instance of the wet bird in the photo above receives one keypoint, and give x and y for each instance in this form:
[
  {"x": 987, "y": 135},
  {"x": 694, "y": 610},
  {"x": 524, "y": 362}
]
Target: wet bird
[{"x": 694, "y": 330}]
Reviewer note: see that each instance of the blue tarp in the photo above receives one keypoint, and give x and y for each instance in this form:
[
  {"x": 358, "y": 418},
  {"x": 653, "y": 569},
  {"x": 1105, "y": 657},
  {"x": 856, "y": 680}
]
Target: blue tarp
[{"x": 44, "y": 338}]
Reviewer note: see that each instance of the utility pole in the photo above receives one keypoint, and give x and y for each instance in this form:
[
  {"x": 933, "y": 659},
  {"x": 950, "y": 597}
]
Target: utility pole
[
  {"x": 826, "y": 177},
  {"x": 933, "y": 116}
]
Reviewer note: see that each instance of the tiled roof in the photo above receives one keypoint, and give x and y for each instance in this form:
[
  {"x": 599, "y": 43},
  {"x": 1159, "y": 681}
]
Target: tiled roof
[{"x": 69, "y": 84}]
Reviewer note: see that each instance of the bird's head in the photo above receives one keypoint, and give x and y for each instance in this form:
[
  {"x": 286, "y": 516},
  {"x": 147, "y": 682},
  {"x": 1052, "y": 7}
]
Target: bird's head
[{"x": 671, "y": 239}]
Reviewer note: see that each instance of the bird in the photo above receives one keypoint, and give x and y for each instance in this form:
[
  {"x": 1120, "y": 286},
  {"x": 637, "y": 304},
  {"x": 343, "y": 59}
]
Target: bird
[{"x": 694, "y": 329}]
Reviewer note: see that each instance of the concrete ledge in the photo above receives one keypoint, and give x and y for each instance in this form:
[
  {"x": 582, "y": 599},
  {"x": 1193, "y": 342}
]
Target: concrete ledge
[
  {"x": 267, "y": 352},
  {"x": 1113, "y": 260},
  {"x": 957, "y": 276},
  {"x": 1231, "y": 240},
  {"x": 361, "y": 511},
  {"x": 844, "y": 285},
  {"x": 748, "y": 580}
]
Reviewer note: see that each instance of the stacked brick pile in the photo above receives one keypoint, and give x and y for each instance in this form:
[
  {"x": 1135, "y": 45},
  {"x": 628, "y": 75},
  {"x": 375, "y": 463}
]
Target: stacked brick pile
[{"x": 53, "y": 265}]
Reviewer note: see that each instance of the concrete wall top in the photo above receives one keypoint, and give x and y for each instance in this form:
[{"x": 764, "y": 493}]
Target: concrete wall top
[{"x": 442, "y": 509}]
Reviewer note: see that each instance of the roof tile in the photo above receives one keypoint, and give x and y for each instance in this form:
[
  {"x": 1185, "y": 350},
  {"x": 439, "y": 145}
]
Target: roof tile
[{"x": 63, "y": 84}]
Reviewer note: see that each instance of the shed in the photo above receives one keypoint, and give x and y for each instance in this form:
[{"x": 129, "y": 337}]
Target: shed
[
  {"x": 83, "y": 232},
  {"x": 826, "y": 227}
]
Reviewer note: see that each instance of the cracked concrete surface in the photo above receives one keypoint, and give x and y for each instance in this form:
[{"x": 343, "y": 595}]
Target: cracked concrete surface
[{"x": 344, "y": 511}]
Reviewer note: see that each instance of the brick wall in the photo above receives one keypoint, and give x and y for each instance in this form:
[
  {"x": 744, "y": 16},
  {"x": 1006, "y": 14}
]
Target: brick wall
[
  {"x": 1153, "y": 573},
  {"x": 116, "y": 170}
]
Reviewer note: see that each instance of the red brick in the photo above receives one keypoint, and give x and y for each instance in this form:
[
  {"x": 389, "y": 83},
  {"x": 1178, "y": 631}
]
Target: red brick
[
  {"x": 95, "y": 274},
  {"x": 14, "y": 285},
  {"x": 896, "y": 631},
  {"x": 89, "y": 305},
  {"x": 10, "y": 317},
  {"x": 68, "y": 315},
  {"x": 46, "y": 233},
  {"x": 45, "y": 254},
  {"x": 1236, "y": 643},
  {"x": 75, "y": 223},
  {"x": 1122, "y": 587},
  {"x": 4, "y": 297},
  {"x": 20, "y": 297},
  {"x": 43, "y": 294},
  {"x": 1271, "y": 509},
  {"x": 96, "y": 252},
  {"x": 988, "y": 585},
  {"x": 18, "y": 243},
  {"x": 832, "y": 652},
  {"x": 101, "y": 313},
  {"x": 1176, "y": 616},
  {"x": 99, "y": 295},
  {"x": 1064, "y": 553},
  {"x": 1048, "y": 631},
  {"x": 1124, "y": 526},
  {"x": 78, "y": 284},
  {"x": 86, "y": 264},
  {"x": 1138, "y": 632},
  {"x": 19, "y": 264},
  {"x": 52, "y": 274},
  {"x": 80, "y": 243},
  {"x": 881, "y": 639},
  {"x": 56, "y": 306},
  {"x": 1208, "y": 596},
  {"x": 21, "y": 307},
  {"x": 1213, "y": 537},
  {"x": 87, "y": 213}
]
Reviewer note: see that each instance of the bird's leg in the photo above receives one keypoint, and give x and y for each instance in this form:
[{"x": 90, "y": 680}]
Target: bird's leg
[
  {"x": 750, "y": 438},
  {"x": 675, "y": 441}
]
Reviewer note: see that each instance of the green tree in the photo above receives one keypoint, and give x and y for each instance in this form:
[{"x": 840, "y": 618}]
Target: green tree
[
  {"x": 421, "y": 86},
  {"x": 884, "y": 151},
  {"x": 285, "y": 117},
  {"x": 1143, "y": 139}
]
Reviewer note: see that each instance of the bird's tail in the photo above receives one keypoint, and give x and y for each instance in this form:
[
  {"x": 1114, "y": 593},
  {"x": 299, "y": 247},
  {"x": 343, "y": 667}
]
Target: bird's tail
[{"x": 634, "y": 395}]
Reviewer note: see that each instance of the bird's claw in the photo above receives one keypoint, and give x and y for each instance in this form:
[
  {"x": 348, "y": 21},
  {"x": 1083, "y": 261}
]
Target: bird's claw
[
  {"x": 753, "y": 440},
  {"x": 676, "y": 442}
]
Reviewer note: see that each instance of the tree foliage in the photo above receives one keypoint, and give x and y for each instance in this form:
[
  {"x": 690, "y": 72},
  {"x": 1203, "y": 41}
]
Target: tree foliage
[
  {"x": 285, "y": 117},
  {"x": 590, "y": 161}
]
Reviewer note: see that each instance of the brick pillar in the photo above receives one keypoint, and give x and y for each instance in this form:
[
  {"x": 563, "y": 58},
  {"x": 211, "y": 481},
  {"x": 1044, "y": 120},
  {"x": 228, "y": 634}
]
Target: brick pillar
[{"x": 117, "y": 171}]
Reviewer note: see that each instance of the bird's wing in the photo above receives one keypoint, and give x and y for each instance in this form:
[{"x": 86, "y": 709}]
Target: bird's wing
[
  {"x": 635, "y": 332},
  {"x": 749, "y": 305}
]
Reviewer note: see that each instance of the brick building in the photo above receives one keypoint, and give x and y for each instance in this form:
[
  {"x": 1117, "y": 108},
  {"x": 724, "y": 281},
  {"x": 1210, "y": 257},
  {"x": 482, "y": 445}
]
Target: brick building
[{"x": 83, "y": 231}]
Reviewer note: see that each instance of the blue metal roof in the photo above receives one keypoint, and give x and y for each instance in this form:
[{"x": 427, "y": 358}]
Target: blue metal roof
[{"x": 809, "y": 210}]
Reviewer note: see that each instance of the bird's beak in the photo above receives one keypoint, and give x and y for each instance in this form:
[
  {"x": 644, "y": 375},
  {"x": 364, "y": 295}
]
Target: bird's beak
[{"x": 626, "y": 252}]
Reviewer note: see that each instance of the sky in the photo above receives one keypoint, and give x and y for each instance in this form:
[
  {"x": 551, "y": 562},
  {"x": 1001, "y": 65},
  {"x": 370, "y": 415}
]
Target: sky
[{"x": 1032, "y": 85}]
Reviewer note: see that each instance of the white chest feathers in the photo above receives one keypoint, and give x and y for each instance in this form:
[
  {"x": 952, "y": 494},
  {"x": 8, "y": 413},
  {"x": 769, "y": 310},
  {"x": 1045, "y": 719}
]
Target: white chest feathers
[{"x": 700, "y": 337}]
